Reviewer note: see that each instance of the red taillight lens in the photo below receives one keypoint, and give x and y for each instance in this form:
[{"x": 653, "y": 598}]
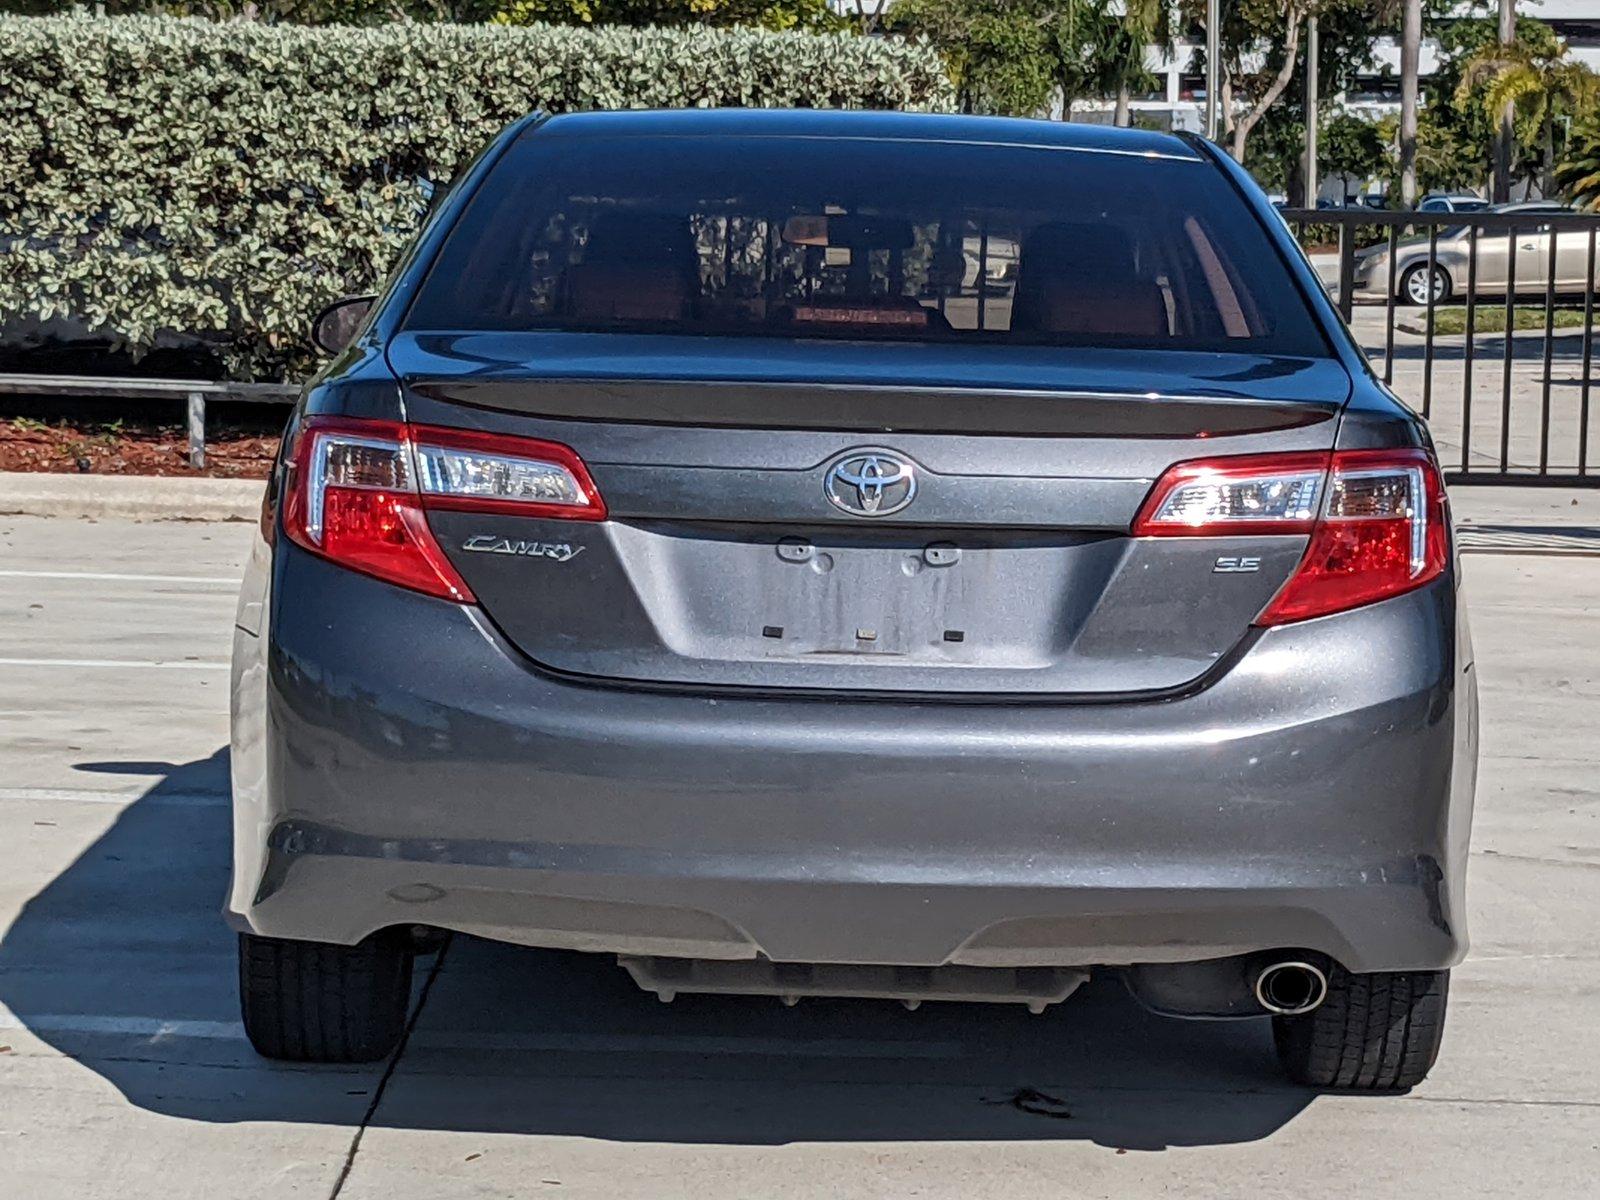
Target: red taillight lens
[
  {"x": 1377, "y": 519},
  {"x": 360, "y": 490},
  {"x": 1384, "y": 530}
]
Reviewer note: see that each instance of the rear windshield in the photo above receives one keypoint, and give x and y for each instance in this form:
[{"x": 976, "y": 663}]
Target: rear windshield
[{"x": 864, "y": 239}]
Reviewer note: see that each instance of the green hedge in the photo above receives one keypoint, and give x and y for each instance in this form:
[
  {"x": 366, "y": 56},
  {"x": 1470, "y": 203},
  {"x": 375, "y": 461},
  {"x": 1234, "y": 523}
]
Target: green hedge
[{"x": 162, "y": 175}]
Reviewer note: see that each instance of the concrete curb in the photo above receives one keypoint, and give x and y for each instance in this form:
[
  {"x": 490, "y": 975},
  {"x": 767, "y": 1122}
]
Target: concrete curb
[
  {"x": 139, "y": 497},
  {"x": 1417, "y": 326}
]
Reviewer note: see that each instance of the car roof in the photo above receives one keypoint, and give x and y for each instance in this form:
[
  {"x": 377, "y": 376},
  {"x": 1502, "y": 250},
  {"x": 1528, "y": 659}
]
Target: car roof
[{"x": 854, "y": 124}]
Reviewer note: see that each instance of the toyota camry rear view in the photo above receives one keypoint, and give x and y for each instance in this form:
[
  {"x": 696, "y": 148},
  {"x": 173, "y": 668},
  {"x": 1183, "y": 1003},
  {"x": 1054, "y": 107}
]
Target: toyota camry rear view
[{"x": 903, "y": 557}]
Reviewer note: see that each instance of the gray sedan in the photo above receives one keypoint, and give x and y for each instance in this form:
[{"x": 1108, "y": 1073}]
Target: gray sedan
[
  {"x": 678, "y": 564},
  {"x": 1495, "y": 248}
]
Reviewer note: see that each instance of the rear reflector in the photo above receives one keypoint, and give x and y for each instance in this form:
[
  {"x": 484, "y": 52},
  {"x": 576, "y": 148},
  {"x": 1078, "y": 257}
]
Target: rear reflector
[
  {"x": 1377, "y": 520},
  {"x": 360, "y": 491}
]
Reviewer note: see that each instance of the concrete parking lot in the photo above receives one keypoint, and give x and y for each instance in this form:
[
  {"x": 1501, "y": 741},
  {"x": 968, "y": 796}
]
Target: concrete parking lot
[
  {"x": 124, "y": 1073},
  {"x": 1443, "y": 384}
]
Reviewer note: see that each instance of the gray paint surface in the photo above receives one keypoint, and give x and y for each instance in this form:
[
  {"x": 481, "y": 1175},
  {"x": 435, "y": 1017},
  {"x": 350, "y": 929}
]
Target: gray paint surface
[{"x": 1315, "y": 795}]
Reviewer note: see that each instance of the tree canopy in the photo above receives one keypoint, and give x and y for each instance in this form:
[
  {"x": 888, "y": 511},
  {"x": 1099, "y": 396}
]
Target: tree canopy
[
  {"x": 1578, "y": 174},
  {"x": 1051, "y": 57},
  {"x": 1019, "y": 57}
]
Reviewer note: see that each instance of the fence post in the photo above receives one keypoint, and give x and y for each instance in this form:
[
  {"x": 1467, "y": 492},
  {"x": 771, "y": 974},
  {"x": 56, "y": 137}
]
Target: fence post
[
  {"x": 197, "y": 430},
  {"x": 1347, "y": 270}
]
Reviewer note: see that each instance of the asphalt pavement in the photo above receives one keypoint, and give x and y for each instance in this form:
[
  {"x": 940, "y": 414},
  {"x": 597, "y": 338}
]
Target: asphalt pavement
[{"x": 124, "y": 1073}]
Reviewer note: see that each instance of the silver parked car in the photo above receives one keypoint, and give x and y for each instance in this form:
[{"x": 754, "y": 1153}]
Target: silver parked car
[
  {"x": 1530, "y": 245},
  {"x": 682, "y": 563}
]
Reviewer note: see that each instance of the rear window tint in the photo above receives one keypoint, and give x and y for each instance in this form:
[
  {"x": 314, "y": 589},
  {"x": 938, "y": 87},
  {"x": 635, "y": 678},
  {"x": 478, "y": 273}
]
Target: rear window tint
[{"x": 864, "y": 239}]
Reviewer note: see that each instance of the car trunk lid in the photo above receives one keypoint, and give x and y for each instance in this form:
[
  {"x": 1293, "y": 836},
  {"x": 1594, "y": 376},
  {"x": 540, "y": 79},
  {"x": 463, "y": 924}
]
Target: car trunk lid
[{"x": 742, "y": 549}]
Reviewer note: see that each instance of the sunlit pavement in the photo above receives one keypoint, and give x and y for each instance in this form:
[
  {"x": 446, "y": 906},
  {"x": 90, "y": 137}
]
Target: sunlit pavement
[
  {"x": 123, "y": 1071},
  {"x": 1499, "y": 417}
]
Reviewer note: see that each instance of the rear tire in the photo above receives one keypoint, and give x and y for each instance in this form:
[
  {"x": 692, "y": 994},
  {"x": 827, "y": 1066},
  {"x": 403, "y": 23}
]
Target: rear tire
[
  {"x": 316, "y": 1002},
  {"x": 1374, "y": 1033}
]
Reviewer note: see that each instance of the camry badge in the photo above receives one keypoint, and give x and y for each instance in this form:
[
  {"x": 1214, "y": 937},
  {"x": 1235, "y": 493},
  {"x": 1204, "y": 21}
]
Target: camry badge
[{"x": 488, "y": 543}]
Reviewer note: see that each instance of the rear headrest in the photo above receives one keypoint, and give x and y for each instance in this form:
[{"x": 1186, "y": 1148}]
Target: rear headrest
[
  {"x": 603, "y": 292},
  {"x": 1078, "y": 249},
  {"x": 634, "y": 239},
  {"x": 1077, "y": 277},
  {"x": 635, "y": 267}
]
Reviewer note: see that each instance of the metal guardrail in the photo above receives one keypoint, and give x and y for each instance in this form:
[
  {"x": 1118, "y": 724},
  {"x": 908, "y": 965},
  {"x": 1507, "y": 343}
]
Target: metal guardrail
[
  {"x": 193, "y": 392},
  {"x": 1538, "y": 428}
]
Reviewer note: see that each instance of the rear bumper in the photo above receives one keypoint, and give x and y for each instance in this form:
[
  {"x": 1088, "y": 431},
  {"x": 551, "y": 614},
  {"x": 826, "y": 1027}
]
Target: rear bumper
[{"x": 395, "y": 762}]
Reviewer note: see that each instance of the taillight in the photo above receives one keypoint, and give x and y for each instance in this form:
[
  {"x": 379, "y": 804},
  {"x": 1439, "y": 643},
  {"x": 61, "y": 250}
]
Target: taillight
[
  {"x": 1384, "y": 530},
  {"x": 360, "y": 490},
  {"x": 1377, "y": 520},
  {"x": 1258, "y": 493},
  {"x": 489, "y": 472}
]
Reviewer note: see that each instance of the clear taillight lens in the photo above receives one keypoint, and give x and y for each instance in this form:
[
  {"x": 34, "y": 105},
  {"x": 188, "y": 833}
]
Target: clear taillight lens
[
  {"x": 1384, "y": 493},
  {"x": 1268, "y": 493},
  {"x": 359, "y": 492},
  {"x": 486, "y": 472},
  {"x": 1377, "y": 519}
]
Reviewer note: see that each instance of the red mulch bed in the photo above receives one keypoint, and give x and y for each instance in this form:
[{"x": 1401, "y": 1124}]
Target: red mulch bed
[{"x": 72, "y": 437}]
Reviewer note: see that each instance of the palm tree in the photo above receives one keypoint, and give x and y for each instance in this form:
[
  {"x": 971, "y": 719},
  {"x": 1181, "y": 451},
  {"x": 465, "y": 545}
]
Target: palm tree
[
  {"x": 1540, "y": 84},
  {"x": 1410, "y": 57},
  {"x": 1578, "y": 175},
  {"x": 1100, "y": 52},
  {"x": 1121, "y": 52}
]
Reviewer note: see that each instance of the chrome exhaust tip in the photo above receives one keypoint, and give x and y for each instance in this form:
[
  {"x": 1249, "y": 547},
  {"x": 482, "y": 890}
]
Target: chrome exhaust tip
[{"x": 1287, "y": 989}]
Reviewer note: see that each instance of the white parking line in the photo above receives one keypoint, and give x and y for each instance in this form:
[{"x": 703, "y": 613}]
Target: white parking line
[
  {"x": 118, "y": 798},
  {"x": 157, "y": 664},
  {"x": 230, "y": 581},
  {"x": 154, "y": 1028}
]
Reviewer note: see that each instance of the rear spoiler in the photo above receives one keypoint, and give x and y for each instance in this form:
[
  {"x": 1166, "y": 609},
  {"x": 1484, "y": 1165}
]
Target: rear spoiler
[{"x": 878, "y": 409}]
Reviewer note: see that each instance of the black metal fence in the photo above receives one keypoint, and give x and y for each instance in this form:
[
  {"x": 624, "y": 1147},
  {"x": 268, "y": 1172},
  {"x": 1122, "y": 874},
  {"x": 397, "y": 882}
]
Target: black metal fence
[{"x": 1484, "y": 322}]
